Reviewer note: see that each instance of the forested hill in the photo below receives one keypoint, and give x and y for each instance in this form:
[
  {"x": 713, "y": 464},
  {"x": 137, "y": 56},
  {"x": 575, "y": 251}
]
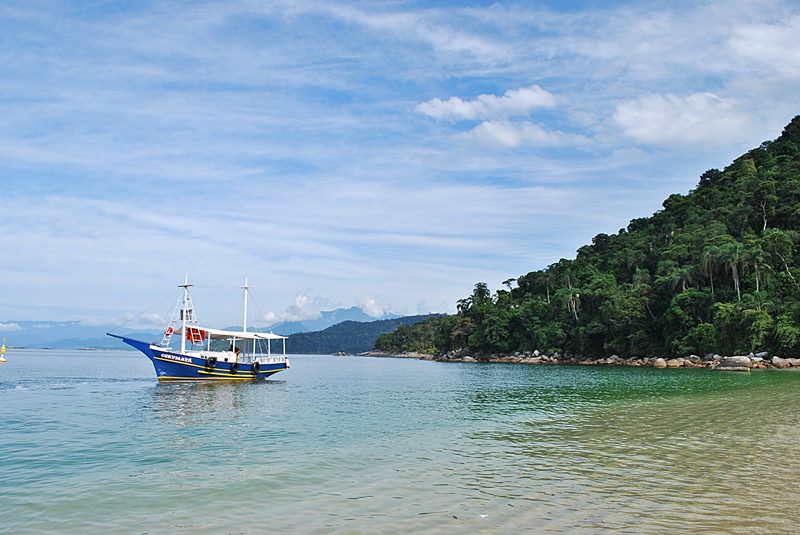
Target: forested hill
[
  {"x": 717, "y": 270},
  {"x": 347, "y": 336}
]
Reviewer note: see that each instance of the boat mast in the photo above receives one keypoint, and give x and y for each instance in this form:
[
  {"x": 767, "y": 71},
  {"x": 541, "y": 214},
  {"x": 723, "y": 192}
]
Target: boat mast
[
  {"x": 184, "y": 312},
  {"x": 244, "y": 321}
]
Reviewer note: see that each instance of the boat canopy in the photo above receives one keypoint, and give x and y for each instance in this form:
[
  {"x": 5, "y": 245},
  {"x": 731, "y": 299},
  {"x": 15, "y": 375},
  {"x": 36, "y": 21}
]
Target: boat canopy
[{"x": 219, "y": 334}]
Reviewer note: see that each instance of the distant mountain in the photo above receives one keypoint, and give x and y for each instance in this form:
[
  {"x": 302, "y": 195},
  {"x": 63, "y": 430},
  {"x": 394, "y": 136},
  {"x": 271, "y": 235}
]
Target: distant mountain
[
  {"x": 326, "y": 319},
  {"x": 66, "y": 335},
  {"x": 75, "y": 334},
  {"x": 348, "y": 336}
]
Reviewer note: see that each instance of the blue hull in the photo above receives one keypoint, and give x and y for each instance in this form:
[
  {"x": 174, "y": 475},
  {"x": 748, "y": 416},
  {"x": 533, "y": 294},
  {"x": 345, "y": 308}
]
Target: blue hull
[{"x": 171, "y": 366}]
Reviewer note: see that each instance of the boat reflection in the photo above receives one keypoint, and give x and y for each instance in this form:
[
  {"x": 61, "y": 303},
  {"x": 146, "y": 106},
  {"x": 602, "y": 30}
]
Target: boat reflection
[{"x": 191, "y": 402}]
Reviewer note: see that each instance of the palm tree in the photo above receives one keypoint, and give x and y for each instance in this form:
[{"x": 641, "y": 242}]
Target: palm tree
[
  {"x": 573, "y": 299},
  {"x": 463, "y": 305},
  {"x": 675, "y": 274},
  {"x": 755, "y": 256},
  {"x": 481, "y": 293},
  {"x": 731, "y": 255},
  {"x": 710, "y": 258},
  {"x": 574, "y": 303}
]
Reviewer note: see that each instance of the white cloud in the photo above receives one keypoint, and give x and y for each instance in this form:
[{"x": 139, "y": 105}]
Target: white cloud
[
  {"x": 373, "y": 307},
  {"x": 515, "y": 102},
  {"x": 771, "y": 46},
  {"x": 660, "y": 119},
  {"x": 510, "y": 134},
  {"x": 435, "y": 29},
  {"x": 10, "y": 327},
  {"x": 305, "y": 306},
  {"x": 152, "y": 319}
]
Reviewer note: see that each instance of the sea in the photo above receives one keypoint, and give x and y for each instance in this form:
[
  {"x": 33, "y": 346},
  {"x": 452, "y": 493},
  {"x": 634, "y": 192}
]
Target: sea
[{"x": 90, "y": 442}]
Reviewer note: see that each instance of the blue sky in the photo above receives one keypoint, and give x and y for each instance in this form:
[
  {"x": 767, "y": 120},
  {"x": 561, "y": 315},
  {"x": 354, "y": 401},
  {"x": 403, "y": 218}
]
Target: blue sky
[{"x": 381, "y": 154}]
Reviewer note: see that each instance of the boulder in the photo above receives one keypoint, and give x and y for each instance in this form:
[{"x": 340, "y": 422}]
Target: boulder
[
  {"x": 659, "y": 363},
  {"x": 536, "y": 353},
  {"x": 694, "y": 359},
  {"x": 762, "y": 354},
  {"x": 779, "y": 362},
  {"x": 734, "y": 364},
  {"x": 674, "y": 363},
  {"x": 793, "y": 362},
  {"x": 468, "y": 359}
]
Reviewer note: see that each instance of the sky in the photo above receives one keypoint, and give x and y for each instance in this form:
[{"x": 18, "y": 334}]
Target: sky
[{"x": 387, "y": 155}]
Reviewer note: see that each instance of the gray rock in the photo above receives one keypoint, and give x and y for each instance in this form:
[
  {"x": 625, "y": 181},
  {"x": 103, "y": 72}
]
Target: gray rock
[
  {"x": 694, "y": 359},
  {"x": 734, "y": 364},
  {"x": 536, "y": 353},
  {"x": 793, "y": 362},
  {"x": 779, "y": 362},
  {"x": 756, "y": 359},
  {"x": 762, "y": 354}
]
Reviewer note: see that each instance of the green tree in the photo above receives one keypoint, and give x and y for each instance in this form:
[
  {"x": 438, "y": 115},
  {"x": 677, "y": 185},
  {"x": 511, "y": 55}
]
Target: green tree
[{"x": 731, "y": 255}]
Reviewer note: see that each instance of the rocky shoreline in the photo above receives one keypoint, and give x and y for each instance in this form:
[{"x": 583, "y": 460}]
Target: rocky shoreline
[{"x": 762, "y": 360}]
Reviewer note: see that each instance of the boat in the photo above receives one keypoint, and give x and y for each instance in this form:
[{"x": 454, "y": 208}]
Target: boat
[
  {"x": 3, "y": 351},
  {"x": 202, "y": 355}
]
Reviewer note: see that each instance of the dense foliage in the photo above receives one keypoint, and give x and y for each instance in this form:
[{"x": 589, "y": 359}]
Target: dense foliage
[
  {"x": 716, "y": 270},
  {"x": 347, "y": 336}
]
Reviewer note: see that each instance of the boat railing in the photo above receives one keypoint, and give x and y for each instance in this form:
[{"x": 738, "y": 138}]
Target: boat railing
[
  {"x": 230, "y": 356},
  {"x": 267, "y": 359}
]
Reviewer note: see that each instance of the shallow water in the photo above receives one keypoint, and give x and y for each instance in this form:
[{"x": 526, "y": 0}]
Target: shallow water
[{"x": 90, "y": 442}]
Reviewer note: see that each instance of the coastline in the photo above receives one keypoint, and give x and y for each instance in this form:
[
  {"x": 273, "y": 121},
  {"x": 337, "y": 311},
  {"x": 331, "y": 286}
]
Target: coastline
[
  {"x": 710, "y": 361},
  {"x": 395, "y": 355}
]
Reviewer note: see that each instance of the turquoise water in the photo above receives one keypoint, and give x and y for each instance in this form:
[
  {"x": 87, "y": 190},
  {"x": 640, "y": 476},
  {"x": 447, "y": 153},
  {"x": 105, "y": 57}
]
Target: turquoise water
[{"x": 90, "y": 442}]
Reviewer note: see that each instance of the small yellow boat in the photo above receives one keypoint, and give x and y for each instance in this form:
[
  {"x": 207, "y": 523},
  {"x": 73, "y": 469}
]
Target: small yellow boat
[{"x": 3, "y": 351}]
